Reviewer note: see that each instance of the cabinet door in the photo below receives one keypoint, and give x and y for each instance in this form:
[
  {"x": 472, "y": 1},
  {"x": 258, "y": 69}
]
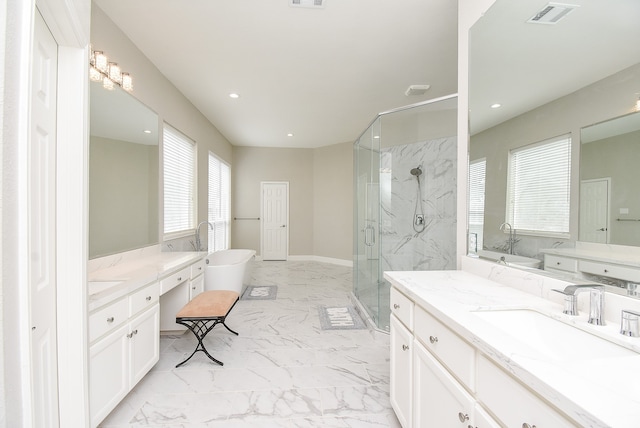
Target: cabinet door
[
  {"x": 108, "y": 373},
  {"x": 170, "y": 304},
  {"x": 144, "y": 350},
  {"x": 439, "y": 400},
  {"x": 401, "y": 371},
  {"x": 197, "y": 286}
]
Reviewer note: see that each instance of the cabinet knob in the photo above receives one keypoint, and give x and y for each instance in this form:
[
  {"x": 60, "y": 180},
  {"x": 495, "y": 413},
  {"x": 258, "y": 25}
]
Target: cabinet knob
[
  {"x": 148, "y": 298},
  {"x": 193, "y": 288},
  {"x": 396, "y": 306},
  {"x": 433, "y": 339},
  {"x": 405, "y": 347},
  {"x": 463, "y": 417},
  {"x": 558, "y": 263},
  {"x": 179, "y": 278},
  {"x": 526, "y": 425},
  {"x": 110, "y": 320}
]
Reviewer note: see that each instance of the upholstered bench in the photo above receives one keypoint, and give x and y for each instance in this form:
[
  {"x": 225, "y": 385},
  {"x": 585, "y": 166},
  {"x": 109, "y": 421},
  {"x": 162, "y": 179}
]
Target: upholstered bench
[{"x": 204, "y": 312}]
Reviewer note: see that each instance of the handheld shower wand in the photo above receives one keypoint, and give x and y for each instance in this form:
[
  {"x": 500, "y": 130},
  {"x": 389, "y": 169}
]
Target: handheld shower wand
[{"x": 418, "y": 214}]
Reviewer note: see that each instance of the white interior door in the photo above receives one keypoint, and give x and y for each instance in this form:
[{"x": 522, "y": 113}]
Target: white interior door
[
  {"x": 594, "y": 210},
  {"x": 42, "y": 227},
  {"x": 275, "y": 220}
]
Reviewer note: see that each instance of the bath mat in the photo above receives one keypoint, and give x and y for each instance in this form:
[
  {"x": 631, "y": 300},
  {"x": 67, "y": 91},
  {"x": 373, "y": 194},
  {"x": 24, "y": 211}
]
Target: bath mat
[
  {"x": 260, "y": 292},
  {"x": 340, "y": 318}
]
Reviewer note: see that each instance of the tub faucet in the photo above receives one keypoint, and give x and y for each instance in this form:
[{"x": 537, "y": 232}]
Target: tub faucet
[
  {"x": 198, "y": 244},
  {"x": 596, "y": 309},
  {"x": 512, "y": 236}
]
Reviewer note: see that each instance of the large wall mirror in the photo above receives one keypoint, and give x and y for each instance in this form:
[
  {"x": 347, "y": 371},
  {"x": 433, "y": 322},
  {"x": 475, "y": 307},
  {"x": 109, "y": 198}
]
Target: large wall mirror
[
  {"x": 577, "y": 74},
  {"x": 123, "y": 173}
]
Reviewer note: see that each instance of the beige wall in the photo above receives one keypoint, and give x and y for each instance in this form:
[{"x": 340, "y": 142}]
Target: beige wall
[
  {"x": 333, "y": 201},
  {"x": 320, "y": 197},
  {"x": 252, "y": 165},
  {"x": 155, "y": 91}
]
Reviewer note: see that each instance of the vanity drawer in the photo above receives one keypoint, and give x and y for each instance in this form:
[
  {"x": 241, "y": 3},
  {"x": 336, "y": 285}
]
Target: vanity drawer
[
  {"x": 560, "y": 263},
  {"x": 197, "y": 268},
  {"x": 144, "y": 298},
  {"x": 401, "y": 307},
  {"x": 447, "y": 346},
  {"x": 522, "y": 406},
  {"x": 175, "y": 279},
  {"x": 609, "y": 270},
  {"x": 106, "y": 319}
]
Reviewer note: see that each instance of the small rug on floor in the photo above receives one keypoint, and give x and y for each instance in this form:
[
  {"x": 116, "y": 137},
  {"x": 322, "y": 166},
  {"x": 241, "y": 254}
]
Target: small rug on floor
[
  {"x": 340, "y": 318},
  {"x": 260, "y": 292}
]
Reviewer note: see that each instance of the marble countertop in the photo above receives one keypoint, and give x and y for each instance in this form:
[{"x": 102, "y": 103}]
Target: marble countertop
[
  {"x": 120, "y": 277},
  {"x": 595, "y": 392}
]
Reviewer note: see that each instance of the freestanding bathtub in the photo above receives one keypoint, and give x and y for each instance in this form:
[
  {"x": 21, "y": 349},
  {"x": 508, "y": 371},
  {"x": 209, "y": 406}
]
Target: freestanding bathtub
[{"x": 228, "y": 270}]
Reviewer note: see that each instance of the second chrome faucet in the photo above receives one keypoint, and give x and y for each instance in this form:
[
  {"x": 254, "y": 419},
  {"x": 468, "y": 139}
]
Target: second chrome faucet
[{"x": 596, "y": 307}]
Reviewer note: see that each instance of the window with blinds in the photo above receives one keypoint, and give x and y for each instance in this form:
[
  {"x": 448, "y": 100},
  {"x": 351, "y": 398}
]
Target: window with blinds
[
  {"x": 538, "y": 188},
  {"x": 477, "y": 174},
  {"x": 219, "y": 203},
  {"x": 179, "y": 170}
]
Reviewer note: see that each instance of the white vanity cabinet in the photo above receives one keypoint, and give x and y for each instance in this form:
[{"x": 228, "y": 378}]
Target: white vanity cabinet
[
  {"x": 577, "y": 262},
  {"x": 124, "y": 346},
  {"x": 438, "y": 379},
  {"x": 197, "y": 279}
]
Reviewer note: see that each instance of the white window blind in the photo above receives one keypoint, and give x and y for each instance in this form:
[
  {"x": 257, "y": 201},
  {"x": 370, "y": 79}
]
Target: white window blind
[
  {"x": 539, "y": 186},
  {"x": 477, "y": 175},
  {"x": 219, "y": 203},
  {"x": 179, "y": 167}
]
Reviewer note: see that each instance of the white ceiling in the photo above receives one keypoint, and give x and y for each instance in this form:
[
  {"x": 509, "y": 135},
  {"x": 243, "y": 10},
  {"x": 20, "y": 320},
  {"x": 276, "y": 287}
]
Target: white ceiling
[
  {"x": 321, "y": 74},
  {"x": 522, "y": 66}
]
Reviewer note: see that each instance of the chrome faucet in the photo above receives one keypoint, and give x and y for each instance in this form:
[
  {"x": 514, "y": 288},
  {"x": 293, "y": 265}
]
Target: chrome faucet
[
  {"x": 198, "y": 244},
  {"x": 596, "y": 309},
  {"x": 512, "y": 236}
]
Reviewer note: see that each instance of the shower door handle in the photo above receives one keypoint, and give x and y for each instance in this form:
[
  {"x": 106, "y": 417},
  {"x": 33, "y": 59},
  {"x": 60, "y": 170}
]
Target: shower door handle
[{"x": 369, "y": 236}]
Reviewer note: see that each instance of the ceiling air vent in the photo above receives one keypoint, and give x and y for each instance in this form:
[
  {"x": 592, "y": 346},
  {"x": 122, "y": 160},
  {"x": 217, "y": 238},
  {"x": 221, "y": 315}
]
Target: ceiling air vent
[
  {"x": 315, "y": 4},
  {"x": 552, "y": 13}
]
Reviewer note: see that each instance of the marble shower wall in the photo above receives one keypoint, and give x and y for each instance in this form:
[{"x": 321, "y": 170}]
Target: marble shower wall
[{"x": 402, "y": 248}]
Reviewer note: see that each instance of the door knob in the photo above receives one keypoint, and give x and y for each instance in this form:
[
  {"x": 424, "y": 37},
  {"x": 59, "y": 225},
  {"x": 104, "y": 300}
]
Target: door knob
[
  {"x": 602, "y": 229},
  {"x": 284, "y": 225}
]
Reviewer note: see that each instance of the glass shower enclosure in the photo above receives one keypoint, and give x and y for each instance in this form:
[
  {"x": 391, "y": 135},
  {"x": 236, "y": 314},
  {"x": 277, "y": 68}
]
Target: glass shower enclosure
[{"x": 404, "y": 199}]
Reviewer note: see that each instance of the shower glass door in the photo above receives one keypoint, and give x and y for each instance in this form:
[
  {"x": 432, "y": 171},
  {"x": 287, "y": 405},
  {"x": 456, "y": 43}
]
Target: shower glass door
[{"x": 367, "y": 271}]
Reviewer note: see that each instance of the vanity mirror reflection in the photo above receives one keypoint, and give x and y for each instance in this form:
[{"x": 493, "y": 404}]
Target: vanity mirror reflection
[
  {"x": 123, "y": 173},
  {"x": 551, "y": 80}
]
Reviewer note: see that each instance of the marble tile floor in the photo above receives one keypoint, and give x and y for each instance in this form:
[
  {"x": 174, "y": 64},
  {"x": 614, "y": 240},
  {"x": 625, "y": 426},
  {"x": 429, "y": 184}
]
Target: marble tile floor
[{"x": 283, "y": 370}]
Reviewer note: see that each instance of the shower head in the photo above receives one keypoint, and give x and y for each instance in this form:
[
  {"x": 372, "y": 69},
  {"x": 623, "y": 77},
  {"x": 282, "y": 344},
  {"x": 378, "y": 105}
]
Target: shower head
[{"x": 416, "y": 171}]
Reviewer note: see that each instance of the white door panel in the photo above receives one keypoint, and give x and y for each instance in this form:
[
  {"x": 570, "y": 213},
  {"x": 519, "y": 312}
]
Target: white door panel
[
  {"x": 42, "y": 226},
  {"x": 275, "y": 220},
  {"x": 594, "y": 210}
]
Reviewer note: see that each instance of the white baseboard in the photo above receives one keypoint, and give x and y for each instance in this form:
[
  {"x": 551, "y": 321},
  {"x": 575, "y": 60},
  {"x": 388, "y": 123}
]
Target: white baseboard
[{"x": 341, "y": 262}]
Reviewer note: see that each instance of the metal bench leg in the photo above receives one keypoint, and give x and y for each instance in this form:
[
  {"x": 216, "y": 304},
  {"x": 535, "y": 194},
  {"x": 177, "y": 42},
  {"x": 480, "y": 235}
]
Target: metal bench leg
[{"x": 200, "y": 329}]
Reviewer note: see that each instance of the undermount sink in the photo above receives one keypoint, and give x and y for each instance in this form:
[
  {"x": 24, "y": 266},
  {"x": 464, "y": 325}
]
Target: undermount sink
[
  {"x": 552, "y": 338},
  {"x": 99, "y": 286}
]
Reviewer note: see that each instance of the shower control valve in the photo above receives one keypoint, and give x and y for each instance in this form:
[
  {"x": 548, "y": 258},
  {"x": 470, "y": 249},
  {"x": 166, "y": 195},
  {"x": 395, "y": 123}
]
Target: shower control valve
[{"x": 419, "y": 219}]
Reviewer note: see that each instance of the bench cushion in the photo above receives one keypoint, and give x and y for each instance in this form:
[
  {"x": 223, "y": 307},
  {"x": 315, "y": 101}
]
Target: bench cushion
[{"x": 209, "y": 304}]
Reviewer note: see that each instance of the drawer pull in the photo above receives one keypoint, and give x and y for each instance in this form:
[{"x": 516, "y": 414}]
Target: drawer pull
[
  {"x": 558, "y": 263},
  {"x": 606, "y": 271},
  {"x": 526, "y": 425},
  {"x": 463, "y": 417},
  {"x": 433, "y": 339},
  {"x": 135, "y": 331},
  {"x": 110, "y": 320},
  {"x": 396, "y": 306},
  {"x": 179, "y": 278},
  {"x": 148, "y": 298},
  {"x": 405, "y": 347},
  {"x": 129, "y": 336}
]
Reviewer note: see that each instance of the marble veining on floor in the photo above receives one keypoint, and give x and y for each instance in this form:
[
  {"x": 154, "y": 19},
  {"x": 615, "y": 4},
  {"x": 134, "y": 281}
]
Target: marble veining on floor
[{"x": 283, "y": 370}]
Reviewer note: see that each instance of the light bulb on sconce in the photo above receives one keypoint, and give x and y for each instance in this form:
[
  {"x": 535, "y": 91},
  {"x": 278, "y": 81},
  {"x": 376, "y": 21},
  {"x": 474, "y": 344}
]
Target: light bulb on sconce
[{"x": 107, "y": 72}]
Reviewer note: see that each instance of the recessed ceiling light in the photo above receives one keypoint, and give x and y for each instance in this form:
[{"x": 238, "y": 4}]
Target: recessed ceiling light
[
  {"x": 234, "y": 95},
  {"x": 376, "y": 136},
  {"x": 496, "y": 105},
  {"x": 289, "y": 134},
  {"x": 147, "y": 131}
]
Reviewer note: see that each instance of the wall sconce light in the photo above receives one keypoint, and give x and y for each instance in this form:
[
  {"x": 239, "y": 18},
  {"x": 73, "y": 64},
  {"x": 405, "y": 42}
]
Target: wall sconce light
[
  {"x": 109, "y": 73},
  {"x": 638, "y": 103}
]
